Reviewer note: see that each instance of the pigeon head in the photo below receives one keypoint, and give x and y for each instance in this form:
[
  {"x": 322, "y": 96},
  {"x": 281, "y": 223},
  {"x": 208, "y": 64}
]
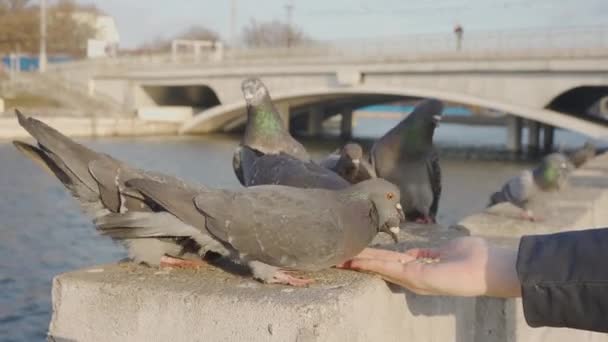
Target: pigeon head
[
  {"x": 553, "y": 171},
  {"x": 350, "y": 159},
  {"x": 386, "y": 208},
  {"x": 352, "y": 151},
  {"x": 262, "y": 117},
  {"x": 416, "y": 131},
  {"x": 589, "y": 146},
  {"x": 427, "y": 115},
  {"x": 254, "y": 90}
]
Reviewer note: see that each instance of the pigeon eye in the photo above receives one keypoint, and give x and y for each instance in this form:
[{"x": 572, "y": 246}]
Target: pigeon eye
[{"x": 390, "y": 196}]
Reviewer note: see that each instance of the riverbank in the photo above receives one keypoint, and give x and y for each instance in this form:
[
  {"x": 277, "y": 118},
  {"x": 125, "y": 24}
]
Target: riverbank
[
  {"x": 92, "y": 127},
  {"x": 130, "y": 302}
]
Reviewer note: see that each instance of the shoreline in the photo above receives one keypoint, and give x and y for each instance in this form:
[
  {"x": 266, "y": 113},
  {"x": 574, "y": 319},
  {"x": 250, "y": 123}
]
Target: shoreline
[{"x": 91, "y": 127}]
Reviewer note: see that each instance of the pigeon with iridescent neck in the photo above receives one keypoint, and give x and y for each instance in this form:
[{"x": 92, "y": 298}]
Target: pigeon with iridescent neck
[
  {"x": 550, "y": 175},
  {"x": 265, "y": 131},
  {"x": 406, "y": 157}
]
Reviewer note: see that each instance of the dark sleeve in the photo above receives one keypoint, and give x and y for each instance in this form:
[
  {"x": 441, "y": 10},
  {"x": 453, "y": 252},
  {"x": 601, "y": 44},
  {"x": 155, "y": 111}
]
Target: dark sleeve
[{"x": 564, "y": 279}]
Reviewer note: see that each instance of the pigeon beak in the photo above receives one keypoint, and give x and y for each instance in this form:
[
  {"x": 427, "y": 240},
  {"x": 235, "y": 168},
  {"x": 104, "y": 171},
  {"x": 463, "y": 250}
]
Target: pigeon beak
[
  {"x": 436, "y": 119},
  {"x": 400, "y": 211},
  {"x": 394, "y": 233}
]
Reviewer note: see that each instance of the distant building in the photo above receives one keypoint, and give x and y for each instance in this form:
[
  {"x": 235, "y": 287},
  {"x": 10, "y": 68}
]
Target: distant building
[{"x": 106, "y": 40}]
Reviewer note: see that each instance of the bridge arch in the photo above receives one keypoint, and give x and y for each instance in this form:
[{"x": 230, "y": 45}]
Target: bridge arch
[
  {"x": 579, "y": 101},
  {"x": 216, "y": 118},
  {"x": 197, "y": 96}
]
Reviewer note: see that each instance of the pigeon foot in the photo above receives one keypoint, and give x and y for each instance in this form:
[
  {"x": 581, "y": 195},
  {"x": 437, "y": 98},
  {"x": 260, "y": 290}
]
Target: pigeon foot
[
  {"x": 529, "y": 216},
  {"x": 425, "y": 220},
  {"x": 169, "y": 261},
  {"x": 286, "y": 278}
]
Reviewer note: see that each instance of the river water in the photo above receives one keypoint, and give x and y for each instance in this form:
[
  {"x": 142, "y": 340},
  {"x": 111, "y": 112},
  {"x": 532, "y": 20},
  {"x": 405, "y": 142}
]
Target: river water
[{"x": 43, "y": 233}]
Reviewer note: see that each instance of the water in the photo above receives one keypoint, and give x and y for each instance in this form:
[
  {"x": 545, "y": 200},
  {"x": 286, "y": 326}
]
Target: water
[{"x": 43, "y": 233}]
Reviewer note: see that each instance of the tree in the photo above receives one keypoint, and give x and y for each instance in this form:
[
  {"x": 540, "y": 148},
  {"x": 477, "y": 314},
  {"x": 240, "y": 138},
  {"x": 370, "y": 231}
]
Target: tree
[
  {"x": 66, "y": 34},
  {"x": 13, "y": 5},
  {"x": 273, "y": 34}
]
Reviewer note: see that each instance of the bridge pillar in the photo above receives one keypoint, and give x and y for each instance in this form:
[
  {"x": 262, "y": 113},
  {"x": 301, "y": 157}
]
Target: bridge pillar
[
  {"x": 346, "y": 124},
  {"x": 514, "y": 128},
  {"x": 548, "y": 137},
  {"x": 283, "y": 108},
  {"x": 533, "y": 136},
  {"x": 315, "y": 121}
]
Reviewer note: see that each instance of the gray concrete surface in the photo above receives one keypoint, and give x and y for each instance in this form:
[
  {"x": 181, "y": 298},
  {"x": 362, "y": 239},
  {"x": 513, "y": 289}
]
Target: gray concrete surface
[{"x": 128, "y": 302}]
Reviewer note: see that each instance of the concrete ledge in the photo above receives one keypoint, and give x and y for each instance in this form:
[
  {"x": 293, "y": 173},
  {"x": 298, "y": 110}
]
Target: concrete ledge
[
  {"x": 128, "y": 302},
  {"x": 581, "y": 205},
  {"x": 92, "y": 127}
]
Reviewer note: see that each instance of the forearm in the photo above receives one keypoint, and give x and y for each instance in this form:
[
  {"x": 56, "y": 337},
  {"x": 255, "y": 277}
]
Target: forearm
[{"x": 564, "y": 279}]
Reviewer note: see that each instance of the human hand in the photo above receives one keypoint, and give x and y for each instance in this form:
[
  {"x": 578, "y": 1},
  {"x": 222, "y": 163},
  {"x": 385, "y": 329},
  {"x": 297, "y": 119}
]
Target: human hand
[{"x": 468, "y": 266}]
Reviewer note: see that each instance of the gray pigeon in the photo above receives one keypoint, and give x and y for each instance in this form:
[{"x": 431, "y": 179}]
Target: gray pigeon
[
  {"x": 264, "y": 131},
  {"x": 348, "y": 162},
  {"x": 269, "y": 228},
  {"x": 97, "y": 181},
  {"x": 550, "y": 175},
  {"x": 406, "y": 157},
  {"x": 283, "y": 169},
  {"x": 583, "y": 155}
]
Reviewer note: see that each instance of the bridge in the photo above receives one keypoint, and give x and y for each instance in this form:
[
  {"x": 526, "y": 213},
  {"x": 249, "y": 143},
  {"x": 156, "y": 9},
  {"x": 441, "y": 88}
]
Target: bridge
[{"x": 543, "y": 86}]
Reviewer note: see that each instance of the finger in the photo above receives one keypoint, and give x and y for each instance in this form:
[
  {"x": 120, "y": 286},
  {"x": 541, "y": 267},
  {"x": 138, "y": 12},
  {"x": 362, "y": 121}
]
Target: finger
[
  {"x": 422, "y": 253},
  {"x": 407, "y": 276},
  {"x": 383, "y": 254},
  {"x": 391, "y": 269}
]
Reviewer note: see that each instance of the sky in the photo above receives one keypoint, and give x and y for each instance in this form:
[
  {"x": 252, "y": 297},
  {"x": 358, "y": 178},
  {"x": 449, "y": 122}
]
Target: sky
[{"x": 143, "y": 20}]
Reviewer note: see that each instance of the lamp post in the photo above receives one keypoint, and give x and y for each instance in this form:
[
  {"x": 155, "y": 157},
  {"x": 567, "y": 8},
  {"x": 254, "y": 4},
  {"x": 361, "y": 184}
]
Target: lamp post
[{"x": 42, "y": 57}]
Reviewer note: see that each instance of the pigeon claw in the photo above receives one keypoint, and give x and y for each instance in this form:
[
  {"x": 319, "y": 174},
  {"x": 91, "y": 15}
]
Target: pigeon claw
[
  {"x": 425, "y": 220},
  {"x": 173, "y": 262},
  {"x": 529, "y": 216},
  {"x": 286, "y": 278}
]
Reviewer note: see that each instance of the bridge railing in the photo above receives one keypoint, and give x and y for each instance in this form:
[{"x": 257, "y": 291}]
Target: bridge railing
[{"x": 573, "y": 42}]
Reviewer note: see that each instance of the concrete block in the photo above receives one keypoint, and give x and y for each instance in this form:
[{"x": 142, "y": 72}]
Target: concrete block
[
  {"x": 348, "y": 77},
  {"x": 129, "y": 302}
]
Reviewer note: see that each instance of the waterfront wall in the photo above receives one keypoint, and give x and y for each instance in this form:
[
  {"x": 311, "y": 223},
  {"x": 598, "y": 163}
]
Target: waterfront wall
[
  {"x": 134, "y": 303},
  {"x": 92, "y": 127}
]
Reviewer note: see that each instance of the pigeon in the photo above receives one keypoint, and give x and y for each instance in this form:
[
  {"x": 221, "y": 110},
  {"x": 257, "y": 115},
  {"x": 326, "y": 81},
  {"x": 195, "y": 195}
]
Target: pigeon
[
  {"x": 283, "y": 169},
  {"x": 582, "y": 155},
  {"x": 272, "y": 229},
  {"x": 264, "y": 131},
  {"x": 406, "y": 157},
  {"x": 348, "y": 162},
  {"x": 550, "y": 175},
  {"x": 97, "y": 181}
]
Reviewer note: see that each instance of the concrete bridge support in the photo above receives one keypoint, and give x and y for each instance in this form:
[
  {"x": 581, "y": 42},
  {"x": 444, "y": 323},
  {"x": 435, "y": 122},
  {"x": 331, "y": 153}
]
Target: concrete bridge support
[
  {"x": 533, "y": 136},
  {"x": 548, "y": 137},
  {"x": 514, "y": 129},
  {"x": 346, "y": 124},
  {"x": 283, "y": 108},
  {"x": 315, "y": 121}
]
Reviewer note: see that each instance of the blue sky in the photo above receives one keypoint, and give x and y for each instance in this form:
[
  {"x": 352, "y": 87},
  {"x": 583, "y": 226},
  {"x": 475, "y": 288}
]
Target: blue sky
[{"x": 141, "y": 20}]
